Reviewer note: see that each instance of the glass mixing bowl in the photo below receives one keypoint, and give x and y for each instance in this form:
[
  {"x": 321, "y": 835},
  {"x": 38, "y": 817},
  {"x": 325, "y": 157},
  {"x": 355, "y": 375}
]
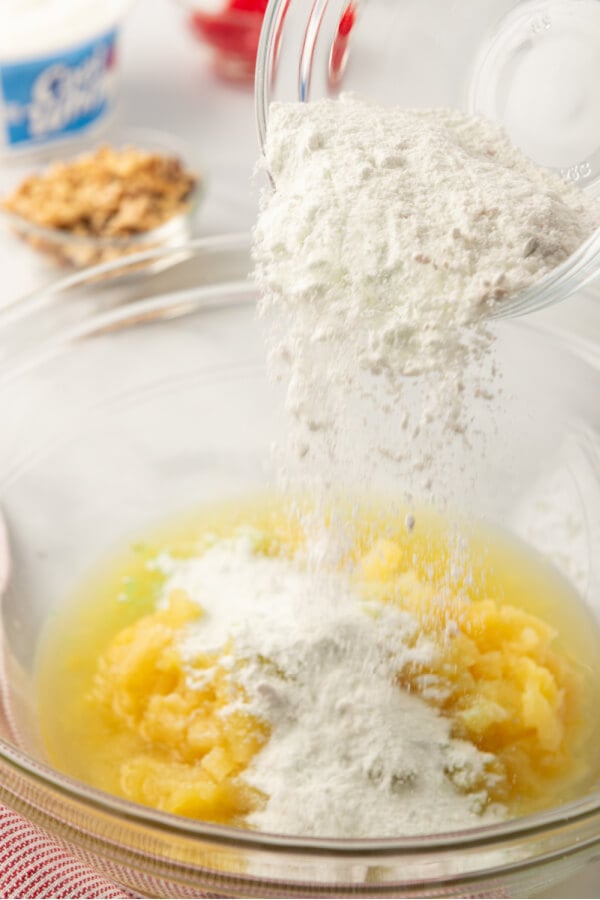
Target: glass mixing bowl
[
  {"x": 121, "y": 407},
  {"x": 532, "y": 66}
]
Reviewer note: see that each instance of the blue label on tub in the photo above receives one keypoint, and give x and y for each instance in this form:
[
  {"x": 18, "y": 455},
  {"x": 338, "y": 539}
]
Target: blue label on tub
[{"x": 57, "y": 95}]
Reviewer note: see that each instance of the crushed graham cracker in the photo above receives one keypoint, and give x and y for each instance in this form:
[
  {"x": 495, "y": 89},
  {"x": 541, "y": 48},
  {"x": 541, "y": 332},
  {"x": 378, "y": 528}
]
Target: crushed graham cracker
[{"x": 110, "y": 194}]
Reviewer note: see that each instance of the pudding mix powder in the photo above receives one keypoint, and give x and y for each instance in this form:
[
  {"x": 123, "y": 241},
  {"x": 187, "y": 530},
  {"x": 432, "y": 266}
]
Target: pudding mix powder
[{"x": 389, "y": 237}]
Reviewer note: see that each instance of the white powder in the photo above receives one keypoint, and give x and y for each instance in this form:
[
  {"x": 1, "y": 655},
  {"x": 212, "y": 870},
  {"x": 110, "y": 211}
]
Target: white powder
[
  {"x": 237, "y": 589},
  {"x": 350, "y": 754},
  {"x": 388, "y": 238}
]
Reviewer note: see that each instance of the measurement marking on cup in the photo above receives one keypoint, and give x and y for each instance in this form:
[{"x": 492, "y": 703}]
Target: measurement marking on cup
[
  {"x": 541, "y": 23},
  {"x": 577, "y": 172}
]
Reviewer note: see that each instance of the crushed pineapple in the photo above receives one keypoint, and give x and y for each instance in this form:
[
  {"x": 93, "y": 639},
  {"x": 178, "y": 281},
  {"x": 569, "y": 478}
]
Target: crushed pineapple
[
  {"x": 496, "y": 675},
  {"x": 188, "y": 755},
  {"x": 133, "y": 723}
]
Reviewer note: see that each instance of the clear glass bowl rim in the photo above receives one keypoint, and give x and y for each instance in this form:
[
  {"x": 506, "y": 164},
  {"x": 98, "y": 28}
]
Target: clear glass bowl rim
[{"x": 585, "y": 812}]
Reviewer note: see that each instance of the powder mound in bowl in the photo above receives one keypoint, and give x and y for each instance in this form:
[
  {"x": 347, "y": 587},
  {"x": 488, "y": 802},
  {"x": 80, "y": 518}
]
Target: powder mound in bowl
[{"x": 350, "y": 752}]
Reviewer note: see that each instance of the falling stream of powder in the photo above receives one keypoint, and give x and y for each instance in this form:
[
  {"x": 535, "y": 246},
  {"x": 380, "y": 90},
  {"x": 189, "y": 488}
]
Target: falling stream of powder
[{"x": 388, "y": 237}]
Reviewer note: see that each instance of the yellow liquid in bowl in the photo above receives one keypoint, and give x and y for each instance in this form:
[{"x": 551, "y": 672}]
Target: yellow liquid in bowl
[{"x": 517, "y": 672}]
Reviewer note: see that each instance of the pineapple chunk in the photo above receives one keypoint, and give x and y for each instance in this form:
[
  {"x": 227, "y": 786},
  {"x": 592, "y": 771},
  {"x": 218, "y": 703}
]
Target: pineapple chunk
[
  {"x": 188, "y": 756},
  {"x": 383, "y": 561},
  {"x": 497, "y": 674}
]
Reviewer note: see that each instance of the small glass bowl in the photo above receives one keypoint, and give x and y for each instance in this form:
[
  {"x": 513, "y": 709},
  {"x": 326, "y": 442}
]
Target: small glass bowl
[
  {"x": 231, "y": 31},
  {"x": 121, "y": 408},
  {"x": 72, "y": 252}
]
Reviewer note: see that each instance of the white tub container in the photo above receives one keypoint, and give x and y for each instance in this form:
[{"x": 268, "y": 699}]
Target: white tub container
[{"x": 58, "y": 68}]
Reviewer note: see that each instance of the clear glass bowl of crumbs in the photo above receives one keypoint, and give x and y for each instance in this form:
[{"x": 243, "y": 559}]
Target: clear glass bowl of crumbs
[
  {"x": 103, "y": 199},
  {"x": 533, "y": 67},
  {"x": 94, "y": 448}
]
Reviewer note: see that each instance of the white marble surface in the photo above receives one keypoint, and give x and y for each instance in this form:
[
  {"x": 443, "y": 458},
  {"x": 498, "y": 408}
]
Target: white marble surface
[{"x": 168, "y": 85}]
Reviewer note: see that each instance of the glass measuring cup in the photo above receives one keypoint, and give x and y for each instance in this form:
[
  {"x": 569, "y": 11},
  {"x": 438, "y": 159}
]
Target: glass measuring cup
[{"x": 532, "y": 66}]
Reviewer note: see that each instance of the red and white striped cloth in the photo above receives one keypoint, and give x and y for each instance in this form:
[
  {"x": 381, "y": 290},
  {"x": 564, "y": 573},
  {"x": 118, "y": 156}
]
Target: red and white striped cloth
[{"x": 35, "y": 864}]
